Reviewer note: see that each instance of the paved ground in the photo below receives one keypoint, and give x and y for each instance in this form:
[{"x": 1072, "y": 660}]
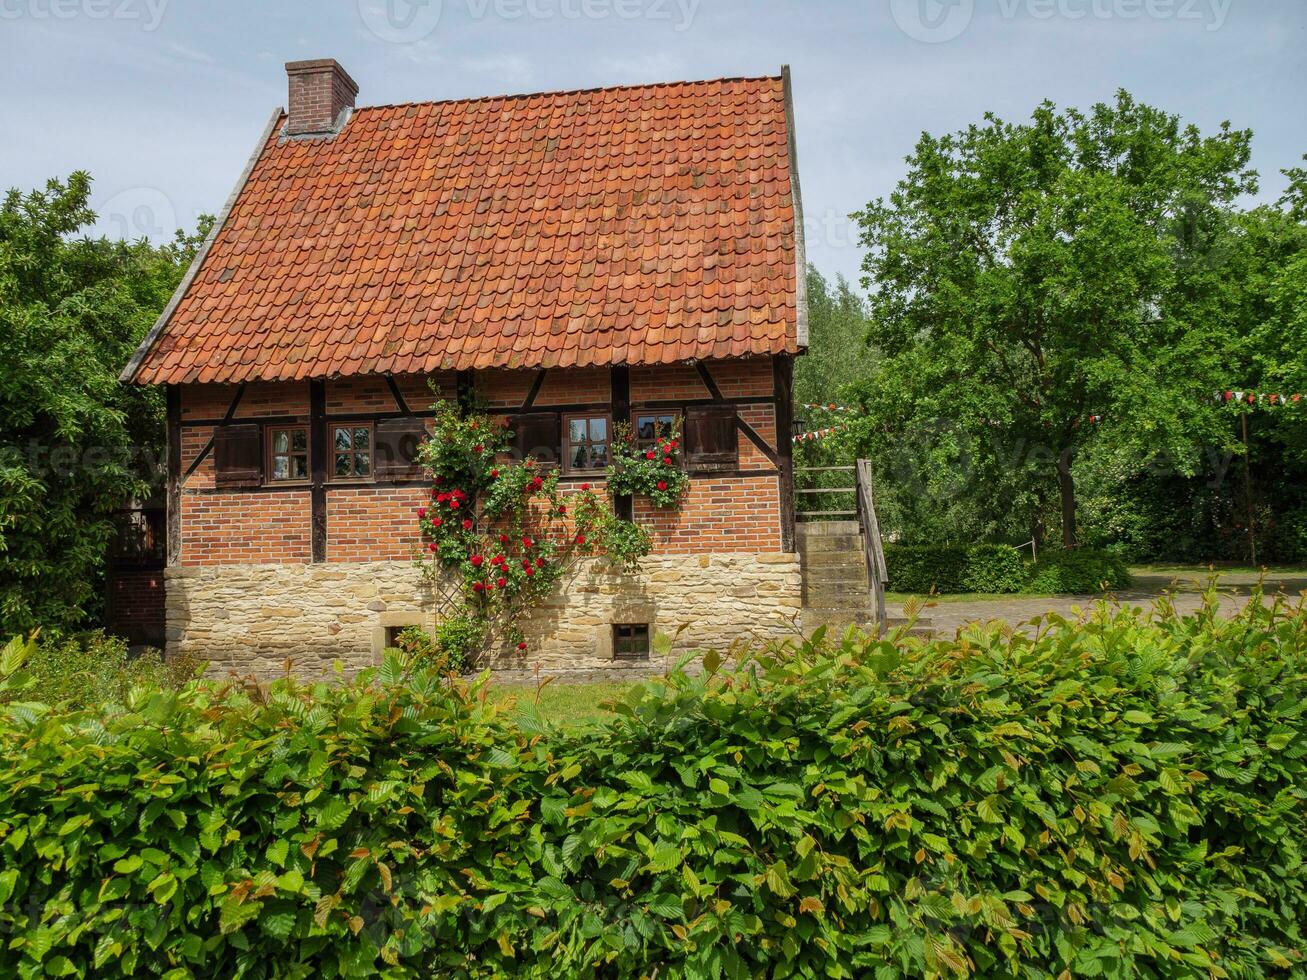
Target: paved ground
[{"x": 946, "y": 616}]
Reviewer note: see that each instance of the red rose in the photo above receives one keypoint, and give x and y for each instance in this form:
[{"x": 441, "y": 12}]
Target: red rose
[
  {"x": 527, "y": 543},
  {"x": 467, "y": 525},
  {"x": 501, "y": 582},
  {"x": 651, "y": 455},
  {"x": 521, "y": 646},
  {"x": 459, "y": 495},
  {"x": 540, "y": 563},
  {"x": 442, "y": 497},
  {"x": 580, "y": 539},
  {"x": 667, "y": 461},
  {"x": 432, "y": 546},
  {"x": 529, "y": 571},
  {"x": 494, "y": 474},
  {"x": 436, "y": 522},
  {"x": 662, "y": 484},
  {"x": 585, "y": 486},
  {"x": 454, "y": 504},
  {"x": 503, "y": 539},
  {"x": 422, "y": 512},
  {"x": 476, "y": 561},
  {"x": 497, "y": 560},
  {"x": 562, "y": 511},
  {"x": 478, "y": 586},
  {"x": 674, "y": 444},
  {"x": 526, "y": 562},
  {"x": 478, "y": 448},
  {"x": 537, "y": 483}
]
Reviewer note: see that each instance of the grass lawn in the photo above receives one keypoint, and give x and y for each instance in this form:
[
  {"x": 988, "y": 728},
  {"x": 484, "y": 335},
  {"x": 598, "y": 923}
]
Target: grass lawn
[{"x": 570, "y": 705}]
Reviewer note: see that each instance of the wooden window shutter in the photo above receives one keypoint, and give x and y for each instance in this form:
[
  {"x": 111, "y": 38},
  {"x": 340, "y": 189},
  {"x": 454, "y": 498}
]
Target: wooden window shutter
[
  {"x": 538, "y": 434},
  {"x": 711, "y": 444},
  {"x": 237, "y": 456},
  {"x": 395, "y": 448}
]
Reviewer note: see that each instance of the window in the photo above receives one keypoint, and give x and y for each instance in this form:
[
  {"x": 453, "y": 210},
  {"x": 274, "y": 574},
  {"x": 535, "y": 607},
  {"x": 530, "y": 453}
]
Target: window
[
  {"x": 351, "y": 448},
  {"x": 288, "y": 454},
  {"x": 587, "y": 443},
  {"x": 654, "y": 426},
  {"x": 631, "y": 641}
]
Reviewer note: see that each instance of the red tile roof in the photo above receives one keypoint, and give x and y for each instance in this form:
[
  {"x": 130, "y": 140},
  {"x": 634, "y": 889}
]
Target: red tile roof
[{"x": 638, "y": 225}]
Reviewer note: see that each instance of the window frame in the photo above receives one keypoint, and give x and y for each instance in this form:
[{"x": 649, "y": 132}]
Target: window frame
[
  {"x": 677, "y": 416},
  {"x": 566, "y": 461},
  {"x": 332, "y": 451},
  {"x": 269, "y": 454},
  {"x": 636, "y": 631}
]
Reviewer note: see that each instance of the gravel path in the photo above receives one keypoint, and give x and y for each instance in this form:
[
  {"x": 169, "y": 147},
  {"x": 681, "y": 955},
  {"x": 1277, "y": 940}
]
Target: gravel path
[{"x": 945, "y": 616}]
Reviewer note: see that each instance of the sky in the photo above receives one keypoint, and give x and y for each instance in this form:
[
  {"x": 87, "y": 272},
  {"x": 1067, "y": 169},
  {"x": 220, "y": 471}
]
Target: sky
[{"x": 162, "y": 101}]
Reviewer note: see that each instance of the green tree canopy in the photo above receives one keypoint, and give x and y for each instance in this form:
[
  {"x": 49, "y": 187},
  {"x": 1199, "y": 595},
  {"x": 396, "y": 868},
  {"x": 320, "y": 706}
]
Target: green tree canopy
[
  {"x": 74, "y": 443},
  {"x": 1026, "y": 277}
]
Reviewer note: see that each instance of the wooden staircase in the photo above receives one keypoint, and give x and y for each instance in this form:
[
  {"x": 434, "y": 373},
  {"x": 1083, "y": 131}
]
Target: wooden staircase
[{"x": 843, "y": 563}]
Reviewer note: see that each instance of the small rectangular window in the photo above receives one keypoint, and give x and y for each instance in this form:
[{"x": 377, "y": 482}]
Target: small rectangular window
[
  {"x": 586, "y": 438},
  {"x": 631, "y": 641},
  {"x": 351, "y": 449},
  {"x": 288, "y": 454},
  {"x": 651, "y": 427}
]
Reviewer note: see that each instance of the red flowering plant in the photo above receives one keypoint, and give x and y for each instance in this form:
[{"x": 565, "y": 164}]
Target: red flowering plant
[
  {"x": 651, "y": 470},
  {"x": 504, "y": 531}
]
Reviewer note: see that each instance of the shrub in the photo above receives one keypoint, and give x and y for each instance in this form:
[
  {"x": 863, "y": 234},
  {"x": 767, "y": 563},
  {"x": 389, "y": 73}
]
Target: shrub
[
  {"x": 944, "y": 569},
  {"x": 1078, "y": 571},
  {"x": 1292, "y": 536},
  {"x": 993, "y": 568},
  {"x": 1120, "y": 796},
  {"x": 925, "y": 568},
  {"x": 85, "y": 669}
]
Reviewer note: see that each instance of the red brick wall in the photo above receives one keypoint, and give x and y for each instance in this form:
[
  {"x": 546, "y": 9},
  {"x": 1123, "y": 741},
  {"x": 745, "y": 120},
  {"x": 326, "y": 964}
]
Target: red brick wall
[
  {"x": 728, "y": 513},
  {"x": 245, "y": 528},
  {"x": 374, "y": 523},
  {"x": 717, "y": 515},
  {"x": 135, "y": 605}
]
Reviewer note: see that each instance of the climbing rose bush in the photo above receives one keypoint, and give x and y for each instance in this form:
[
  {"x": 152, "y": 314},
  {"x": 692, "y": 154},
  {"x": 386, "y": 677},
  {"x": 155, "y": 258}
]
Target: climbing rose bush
[
  {"x": 650, "y": 471},
  {"x": 506, "y": 530}
]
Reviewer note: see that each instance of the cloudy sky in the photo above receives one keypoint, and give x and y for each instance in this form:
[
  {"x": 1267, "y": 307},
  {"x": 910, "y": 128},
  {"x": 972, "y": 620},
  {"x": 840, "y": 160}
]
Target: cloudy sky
[{"x": 162, "y": 100}]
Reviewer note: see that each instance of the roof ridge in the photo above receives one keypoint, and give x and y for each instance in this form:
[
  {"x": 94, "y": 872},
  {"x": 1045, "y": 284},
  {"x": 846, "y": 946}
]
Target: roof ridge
[{"x": 571, "y": 91}]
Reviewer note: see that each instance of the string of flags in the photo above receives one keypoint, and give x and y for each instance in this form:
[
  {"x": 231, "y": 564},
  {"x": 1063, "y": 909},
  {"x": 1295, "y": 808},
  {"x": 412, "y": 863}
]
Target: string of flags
[
  {"x": 819, "y": 433},
  {"x": 1259, "y": 399}
]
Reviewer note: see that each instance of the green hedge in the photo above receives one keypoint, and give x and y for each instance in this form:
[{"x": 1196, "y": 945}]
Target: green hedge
[
  {"x": 945, "y": 569},
  {"x": 1080, "y": 570},
  {"x": 1000, "y": 568},
  {"x": 1119, "y": 797}
]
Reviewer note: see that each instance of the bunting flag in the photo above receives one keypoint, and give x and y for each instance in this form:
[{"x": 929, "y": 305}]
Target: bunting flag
[
  {"x": 831, "y": 407},
  {"x": 818, "y": 433},
  {"x": 1260, "y": 399}
]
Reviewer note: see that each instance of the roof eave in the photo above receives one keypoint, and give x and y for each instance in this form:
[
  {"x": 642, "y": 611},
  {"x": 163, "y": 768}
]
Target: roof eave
[
  {"x": 800, "y": 249},
  {"x": 129, "y": 373}
]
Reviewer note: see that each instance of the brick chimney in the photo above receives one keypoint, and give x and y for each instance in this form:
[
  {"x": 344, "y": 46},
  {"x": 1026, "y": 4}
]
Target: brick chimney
[{"x": 319, "y": 91}]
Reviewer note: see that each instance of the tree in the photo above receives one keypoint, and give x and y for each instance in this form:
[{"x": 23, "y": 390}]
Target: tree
[
  {"x": 1026, "y": 277},
  {"x": 837, "y": 355},
  {"x": 74, "y": 443}
]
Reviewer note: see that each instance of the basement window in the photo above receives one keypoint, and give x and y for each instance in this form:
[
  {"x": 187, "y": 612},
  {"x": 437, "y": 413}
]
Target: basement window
[{"x": 631, "y": 641}]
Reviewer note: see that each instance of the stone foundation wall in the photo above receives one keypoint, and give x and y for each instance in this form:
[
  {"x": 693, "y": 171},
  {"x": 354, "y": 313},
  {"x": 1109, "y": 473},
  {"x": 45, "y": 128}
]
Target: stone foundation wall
[{"x": 252, "y": 618}]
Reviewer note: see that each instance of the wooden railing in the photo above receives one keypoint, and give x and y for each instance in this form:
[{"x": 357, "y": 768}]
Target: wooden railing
[
  {"x": 804, "y": 515},
  {"x": 873, "y": 551}
]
